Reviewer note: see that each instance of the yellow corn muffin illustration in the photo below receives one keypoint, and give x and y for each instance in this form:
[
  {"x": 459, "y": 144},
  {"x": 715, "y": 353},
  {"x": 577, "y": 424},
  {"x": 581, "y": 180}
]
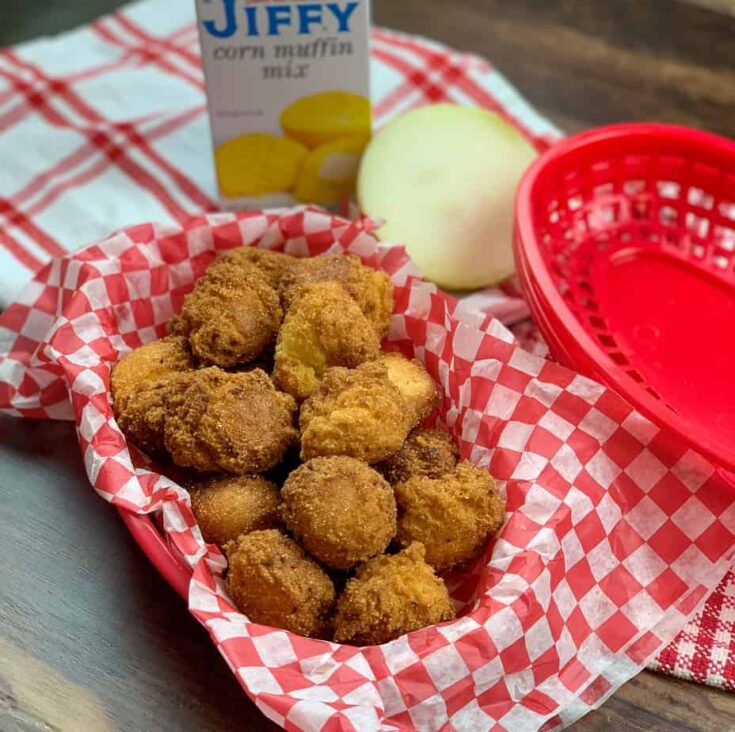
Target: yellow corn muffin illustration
[
  {"x": 330, "y": 172},
  {"x": 321, "y": 118},
  {"x": 256, "y": 164}
]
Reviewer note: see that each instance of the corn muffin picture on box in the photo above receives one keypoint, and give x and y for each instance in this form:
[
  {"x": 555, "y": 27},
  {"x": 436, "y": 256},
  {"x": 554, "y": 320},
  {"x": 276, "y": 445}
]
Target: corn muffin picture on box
[{"x": 288, "y": 88}]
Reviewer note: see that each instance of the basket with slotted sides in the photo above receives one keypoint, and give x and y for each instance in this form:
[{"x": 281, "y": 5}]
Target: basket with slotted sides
[{"x": 625, "y": 247}]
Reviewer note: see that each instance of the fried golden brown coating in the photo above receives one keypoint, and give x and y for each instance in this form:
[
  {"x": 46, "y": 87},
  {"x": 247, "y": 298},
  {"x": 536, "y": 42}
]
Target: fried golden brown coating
[
  {"x": 178, "y": 325},
  {"x": 371, "y": 290},
  {"x": 323, "y": 327},
  {"x": 227, "y": 507},
  {"x": 232, "y": 315},
  {"x": 430, "y": 453},
  {"x": 340, "y": 510},
  {"x": 355, "y": 412},
  {"x": 271, "y": 264},
  {"x": 143, "y": 382},
  {"x": 164, "y": 356},
  {"x": 273, "y": 582},
  {"x": 230, "y": 423},
  {"x": 144, "y": 416},
  {"x": 421, "y": 392},
  {"x": 390, "y": 596},
  {"x": 452, "y": 516}
]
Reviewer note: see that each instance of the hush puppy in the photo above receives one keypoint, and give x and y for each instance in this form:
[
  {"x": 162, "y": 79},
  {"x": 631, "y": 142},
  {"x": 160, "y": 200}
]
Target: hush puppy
[
  {"x": 451, "y": 516},
  {"x": 161, "y": 357},
  {"x": 429, "y": 453},
  {"x": 324, "y": 327},
  {"x": 355, "y": 412},
  {"x": 230, "y": 423},
  {"x": 270, "y": 264},
  {"x": 143, "y": 418},
  {"x": 178, "y": 326},
  {"x": 390, "y": 596},
  {"x": 371, "y": 290},
  {"x": 420, "y": 391},
  {"x": 227, "y": 507},
  {"x": 340, "y": 510},
  {"x": 273, "y": 582},
  {"x": 143, "y": 384},
  {"x": 232, "y": 315}
]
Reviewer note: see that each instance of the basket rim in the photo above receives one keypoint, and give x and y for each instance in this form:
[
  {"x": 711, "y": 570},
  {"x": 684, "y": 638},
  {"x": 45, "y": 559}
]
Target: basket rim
[
  {"x": 152, "y": 544},
  {"x": 568, "y": 339}
]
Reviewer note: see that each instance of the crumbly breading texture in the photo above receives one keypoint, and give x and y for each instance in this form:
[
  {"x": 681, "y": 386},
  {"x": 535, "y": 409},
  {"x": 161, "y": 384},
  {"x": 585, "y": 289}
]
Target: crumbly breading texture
[
  {"x": 417, "y": 387},
  {"x": 452, "y": 516},
  {"x": 143, "y": 418},
  {"x": 230, "y": 423},
  {"x": 342, "y": 511},
  {"x": 178, "y": 325},
  {"x": 324, "y": 327},
  {"x": 273, "y": 582},
  {"x": 227, "y": 507},
  {"x": 232, "y": 315},
  {"x": 354, "y": 412},
  {"x": 270, "y": 264},
  {"x": 371, "y": 290},
  {"x": 161, "y": 357},
  {"x": 143, "y": 383},
  {"x": 426, "y": 452},
  {"x": 390, "y": 596}
]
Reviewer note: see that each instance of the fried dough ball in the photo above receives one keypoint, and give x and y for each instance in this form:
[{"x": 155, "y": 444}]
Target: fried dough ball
[
  {"x": 178, "y": 326},
  {"x": 323, "y": 327},
  {"x": 232, "y": 315},
  {"x": 161, "y": 357},
  {"x": 270, "y": 264},
  {"x": 355, "y": 412},
  {"x": 227, "y": 507},
  {"x": 340, "y": 510},
  {"x": 143, "y": 382},
  {"x": 230, "y": 423},
  {"x": 429, "y": 453},
  {"x": 420, "y": 391},
  {"x": 371, "y": 290},
  {"x": 390, "y": 596},
  {"x": 144, "y": 416},
  {"x": 452, "y": 516},
  {"x": 273, "y": 582}
]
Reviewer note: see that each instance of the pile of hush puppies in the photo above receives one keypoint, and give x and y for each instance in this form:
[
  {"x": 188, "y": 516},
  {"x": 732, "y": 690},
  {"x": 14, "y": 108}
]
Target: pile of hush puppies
[{"x": 302, "y": 441}]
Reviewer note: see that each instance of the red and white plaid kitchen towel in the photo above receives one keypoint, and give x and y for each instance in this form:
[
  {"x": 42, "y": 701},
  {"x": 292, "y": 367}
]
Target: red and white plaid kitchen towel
[{"x": 106, "y": 126}]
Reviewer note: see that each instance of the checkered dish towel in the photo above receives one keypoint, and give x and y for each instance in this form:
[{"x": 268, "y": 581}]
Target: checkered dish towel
[{"x": 106, "y": 126}]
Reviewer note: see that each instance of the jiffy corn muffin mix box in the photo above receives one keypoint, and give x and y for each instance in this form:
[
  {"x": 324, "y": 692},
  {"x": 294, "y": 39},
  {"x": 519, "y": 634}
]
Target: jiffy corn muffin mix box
[{"x": 288, "y": 89}]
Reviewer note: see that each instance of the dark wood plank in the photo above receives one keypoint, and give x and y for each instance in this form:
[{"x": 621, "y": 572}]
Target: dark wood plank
[
  {"x": 652, "y": 703},
  {"x": 589, "y": 63},
  {"x": 721, "y": 6},
  {"x": 91, "y": 637},
  {"x": 22, "y": 20}
]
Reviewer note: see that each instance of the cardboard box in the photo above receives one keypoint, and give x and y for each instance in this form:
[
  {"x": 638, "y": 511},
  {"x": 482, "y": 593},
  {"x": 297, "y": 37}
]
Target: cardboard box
[{"x": 288, "y": 90}]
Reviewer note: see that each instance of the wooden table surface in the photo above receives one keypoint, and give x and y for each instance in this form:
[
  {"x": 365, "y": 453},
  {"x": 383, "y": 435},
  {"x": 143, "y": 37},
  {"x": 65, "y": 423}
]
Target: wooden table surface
[{"x": 91, "y": 638}]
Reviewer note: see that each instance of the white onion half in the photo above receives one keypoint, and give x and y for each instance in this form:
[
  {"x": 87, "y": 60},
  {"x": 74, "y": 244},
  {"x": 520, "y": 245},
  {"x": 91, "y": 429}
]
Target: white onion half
[{"x": 443, "y": 178}]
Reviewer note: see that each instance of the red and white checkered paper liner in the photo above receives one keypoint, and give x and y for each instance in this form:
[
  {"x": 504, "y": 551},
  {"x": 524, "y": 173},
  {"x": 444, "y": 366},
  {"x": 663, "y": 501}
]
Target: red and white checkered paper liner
[
  {"x": 113, "y": 113},
  {"x": 615, "y": 532},
  {"x": 704, "y": 651}
]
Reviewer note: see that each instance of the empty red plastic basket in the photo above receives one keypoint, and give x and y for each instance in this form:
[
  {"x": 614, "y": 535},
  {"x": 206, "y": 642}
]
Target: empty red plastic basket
[{"x": 625, "y": 247}]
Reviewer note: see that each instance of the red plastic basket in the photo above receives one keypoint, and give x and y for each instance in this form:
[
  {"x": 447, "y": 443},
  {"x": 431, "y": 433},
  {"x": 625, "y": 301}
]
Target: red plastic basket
[
  {"x": 625, "y": 248},
  {"x": 162, "y": 556}
]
